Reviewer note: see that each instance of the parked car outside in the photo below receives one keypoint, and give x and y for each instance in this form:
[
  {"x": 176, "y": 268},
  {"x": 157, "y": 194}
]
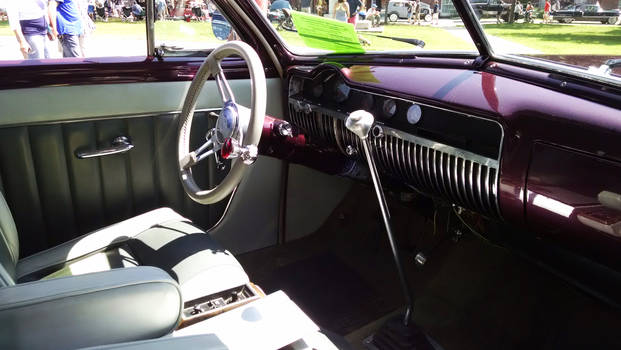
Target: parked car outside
[
  {"x": 586, "y": 12},
  {"x": 488, "y": 8},
  {"x": 398, "y": 9}
]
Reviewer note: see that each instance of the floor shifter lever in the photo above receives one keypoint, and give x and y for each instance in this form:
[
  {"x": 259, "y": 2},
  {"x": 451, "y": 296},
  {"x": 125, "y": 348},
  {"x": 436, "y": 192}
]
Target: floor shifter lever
[{"x": 360, "y": 123}]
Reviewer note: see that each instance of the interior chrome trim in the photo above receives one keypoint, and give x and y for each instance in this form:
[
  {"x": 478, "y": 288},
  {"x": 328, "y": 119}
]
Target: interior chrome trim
[
  {"x": 342, "y": 115},
  {"x": 463, "y": 182}
]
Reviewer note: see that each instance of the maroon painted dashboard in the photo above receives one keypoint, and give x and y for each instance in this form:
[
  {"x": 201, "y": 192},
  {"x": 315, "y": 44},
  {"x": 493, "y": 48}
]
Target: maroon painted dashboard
[{"x": 558, "y": 152}]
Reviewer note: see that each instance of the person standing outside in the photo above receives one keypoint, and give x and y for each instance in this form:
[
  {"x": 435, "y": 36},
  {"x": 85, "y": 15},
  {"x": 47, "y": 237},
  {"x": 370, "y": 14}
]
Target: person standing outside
[
  {"x": 436, "y": 13},
  {"x": 417, "y": 13},
  {"x": 411, "y": 10},
  {"x": 341, "y": 11},
  {"x": 373, "y": 16},
  {"x": 499, "y": 11},
  {"x": 354, "y": 7},
  {"x": 27, "y": 20},
  {"x": 546, "y": 12},
  {"x": 66, "y": 24}
]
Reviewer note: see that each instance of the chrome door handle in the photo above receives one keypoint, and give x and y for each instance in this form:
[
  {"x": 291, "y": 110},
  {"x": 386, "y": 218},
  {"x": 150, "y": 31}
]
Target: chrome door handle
[{"x": 119, "y": 145}]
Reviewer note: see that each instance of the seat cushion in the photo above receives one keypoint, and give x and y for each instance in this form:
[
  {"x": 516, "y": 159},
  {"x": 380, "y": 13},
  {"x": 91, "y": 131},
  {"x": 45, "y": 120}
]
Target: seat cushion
[
  {"x": 160, "y": 238},
  {"x": 38, "y": 265},
  {"x": 190, "y": 256}
]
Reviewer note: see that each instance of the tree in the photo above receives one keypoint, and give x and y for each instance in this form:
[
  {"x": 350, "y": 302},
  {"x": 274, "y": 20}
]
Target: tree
[{"x": 386, "y": 11}]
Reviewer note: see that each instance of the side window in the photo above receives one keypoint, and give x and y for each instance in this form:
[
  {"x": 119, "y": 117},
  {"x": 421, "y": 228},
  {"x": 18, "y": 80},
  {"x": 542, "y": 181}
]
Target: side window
[
  {"x": 56, "y": 29},
  {"x": 186, "y": 26}
]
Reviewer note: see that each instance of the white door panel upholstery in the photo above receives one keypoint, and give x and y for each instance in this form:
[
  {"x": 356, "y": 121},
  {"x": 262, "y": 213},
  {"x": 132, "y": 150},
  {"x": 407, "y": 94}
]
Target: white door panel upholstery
[{"x": 67, "y": 103}]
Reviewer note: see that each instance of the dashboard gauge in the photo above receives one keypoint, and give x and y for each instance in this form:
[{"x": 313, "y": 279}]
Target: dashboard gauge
[
  {"x": 414, "y": 114},
  {"x": 295, "y": 86},
  {"x": 341, "y": 92},
  {"x": 389, "y": 108},
  {"x": 317, "y": 90},
  {"x": 366, "y": 102}
]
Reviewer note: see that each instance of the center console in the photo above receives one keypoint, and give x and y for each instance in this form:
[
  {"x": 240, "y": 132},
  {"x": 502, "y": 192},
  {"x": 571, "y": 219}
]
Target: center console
[{"x": 211, "y": 305}]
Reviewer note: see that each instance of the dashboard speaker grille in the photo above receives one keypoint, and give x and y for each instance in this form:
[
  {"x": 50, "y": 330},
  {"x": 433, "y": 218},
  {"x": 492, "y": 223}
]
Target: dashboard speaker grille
[{"x": 456, "y": 175}]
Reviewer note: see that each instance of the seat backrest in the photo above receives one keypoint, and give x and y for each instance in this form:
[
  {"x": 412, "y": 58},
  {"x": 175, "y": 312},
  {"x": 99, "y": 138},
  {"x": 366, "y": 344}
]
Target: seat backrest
[{"x": 9, "y": 245}]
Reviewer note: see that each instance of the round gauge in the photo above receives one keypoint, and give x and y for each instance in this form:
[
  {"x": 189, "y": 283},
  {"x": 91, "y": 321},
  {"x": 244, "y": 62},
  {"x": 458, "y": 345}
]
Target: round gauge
[
  {"x": 366, "y": 102},
  {"x": 341, "y": 92},
  {"x": 414, "y": 114},
  {"x": 295, "y": 86},
  {"x": 317, "y": 90},
  {"x": 389, "y": 108}
]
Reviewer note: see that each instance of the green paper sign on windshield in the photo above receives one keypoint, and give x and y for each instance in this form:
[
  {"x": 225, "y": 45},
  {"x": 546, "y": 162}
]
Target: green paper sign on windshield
[{"x": 326, "y": 34}]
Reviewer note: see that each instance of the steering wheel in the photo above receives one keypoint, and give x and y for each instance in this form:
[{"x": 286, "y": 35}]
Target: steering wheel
[{"x": 238, "y": 128}]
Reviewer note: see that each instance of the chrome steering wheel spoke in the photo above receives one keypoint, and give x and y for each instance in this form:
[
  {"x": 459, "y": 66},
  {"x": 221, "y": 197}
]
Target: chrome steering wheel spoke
[
  {"x": 224, "y": 88},
  {"x": 204, "y": 151}
]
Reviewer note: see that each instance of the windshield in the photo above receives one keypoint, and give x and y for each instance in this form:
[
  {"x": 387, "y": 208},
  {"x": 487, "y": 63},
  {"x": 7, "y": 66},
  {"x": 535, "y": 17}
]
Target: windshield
[
  {"x": 355, "y": 26},
  {"x": 584, "y": 37}
]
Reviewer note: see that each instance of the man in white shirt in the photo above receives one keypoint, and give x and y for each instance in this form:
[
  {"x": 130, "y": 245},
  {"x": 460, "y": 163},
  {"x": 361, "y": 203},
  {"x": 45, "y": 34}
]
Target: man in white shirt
[{"x": 28, "y": 21}]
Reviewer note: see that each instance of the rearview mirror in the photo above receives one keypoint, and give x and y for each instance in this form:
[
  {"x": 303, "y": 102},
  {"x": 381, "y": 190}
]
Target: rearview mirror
[{"x": 220, "y": 26}]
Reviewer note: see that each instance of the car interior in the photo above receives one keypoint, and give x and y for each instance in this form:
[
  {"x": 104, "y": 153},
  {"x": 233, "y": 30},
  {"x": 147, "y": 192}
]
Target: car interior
[{"x": 259, "y": 199}]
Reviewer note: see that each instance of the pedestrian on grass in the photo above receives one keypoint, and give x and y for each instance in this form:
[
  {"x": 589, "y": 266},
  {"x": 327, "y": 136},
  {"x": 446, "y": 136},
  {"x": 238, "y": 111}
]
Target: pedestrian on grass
[
  {"x": 410, "y": 5},
  {"x": 546, "y": 12},
  {"x": 28, "y": 21},
  {"x": 354, "y": 7},
  {"x": 499, "y": 11},
  {"x": 373, "y": 15},
  {"x": 66, "y": 24},
  {"x": 417, "y": 13},
  {"x": 341, "y": 11},
  {"x": 88, "y": 26}
]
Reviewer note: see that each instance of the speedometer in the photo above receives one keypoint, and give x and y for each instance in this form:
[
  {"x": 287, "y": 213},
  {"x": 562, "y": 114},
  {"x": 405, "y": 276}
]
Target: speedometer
[
  {"x": 317, "y": 90},
  {"x": 389, "y": 108}
]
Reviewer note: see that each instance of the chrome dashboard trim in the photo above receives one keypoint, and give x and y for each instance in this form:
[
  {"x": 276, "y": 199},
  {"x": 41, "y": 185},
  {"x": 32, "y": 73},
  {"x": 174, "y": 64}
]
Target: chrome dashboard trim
[{"x": 460, "y": 176}]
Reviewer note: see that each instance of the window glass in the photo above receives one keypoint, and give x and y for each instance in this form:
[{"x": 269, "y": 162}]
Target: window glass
[
  {"x": 185, "y": 25},
  {"x": 585, "y": 36},
  {"x": 358, "y": 26},
  {"x": 37, "y": 29}
]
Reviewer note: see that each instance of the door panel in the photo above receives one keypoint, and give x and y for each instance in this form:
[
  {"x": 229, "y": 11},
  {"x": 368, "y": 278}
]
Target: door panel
[{"x": 54, "y": 196}]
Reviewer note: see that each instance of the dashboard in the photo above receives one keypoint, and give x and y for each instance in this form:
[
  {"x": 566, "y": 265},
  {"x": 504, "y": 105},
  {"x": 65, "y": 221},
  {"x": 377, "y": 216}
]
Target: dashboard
[{"x": 434, "y": 150}]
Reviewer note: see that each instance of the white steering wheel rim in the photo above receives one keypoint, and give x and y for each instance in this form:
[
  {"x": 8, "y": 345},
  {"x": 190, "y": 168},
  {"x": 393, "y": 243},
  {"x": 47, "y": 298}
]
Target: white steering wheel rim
[{"x": 211, "y": 66}]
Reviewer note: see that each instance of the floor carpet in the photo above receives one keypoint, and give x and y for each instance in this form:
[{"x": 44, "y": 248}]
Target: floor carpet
[{"x": 335, "y": 295}]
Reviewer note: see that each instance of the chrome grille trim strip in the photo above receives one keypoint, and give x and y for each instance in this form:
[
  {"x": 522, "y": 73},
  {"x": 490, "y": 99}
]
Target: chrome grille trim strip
[{"x": 463, "y": 177}]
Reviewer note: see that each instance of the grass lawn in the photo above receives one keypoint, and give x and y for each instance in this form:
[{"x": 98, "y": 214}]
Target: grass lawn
[{"x": 562, "y": 39}]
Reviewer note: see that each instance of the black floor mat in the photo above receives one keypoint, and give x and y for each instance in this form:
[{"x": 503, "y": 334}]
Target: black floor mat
[{"x": 329, "y": 291}]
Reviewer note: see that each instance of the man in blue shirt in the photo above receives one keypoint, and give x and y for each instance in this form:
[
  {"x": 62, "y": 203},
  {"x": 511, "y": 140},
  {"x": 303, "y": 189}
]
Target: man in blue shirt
[{"x": 67, "y": 25}]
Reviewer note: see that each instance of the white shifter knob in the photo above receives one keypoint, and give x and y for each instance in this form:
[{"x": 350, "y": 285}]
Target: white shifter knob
[{"x": 360, "y": 122}]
